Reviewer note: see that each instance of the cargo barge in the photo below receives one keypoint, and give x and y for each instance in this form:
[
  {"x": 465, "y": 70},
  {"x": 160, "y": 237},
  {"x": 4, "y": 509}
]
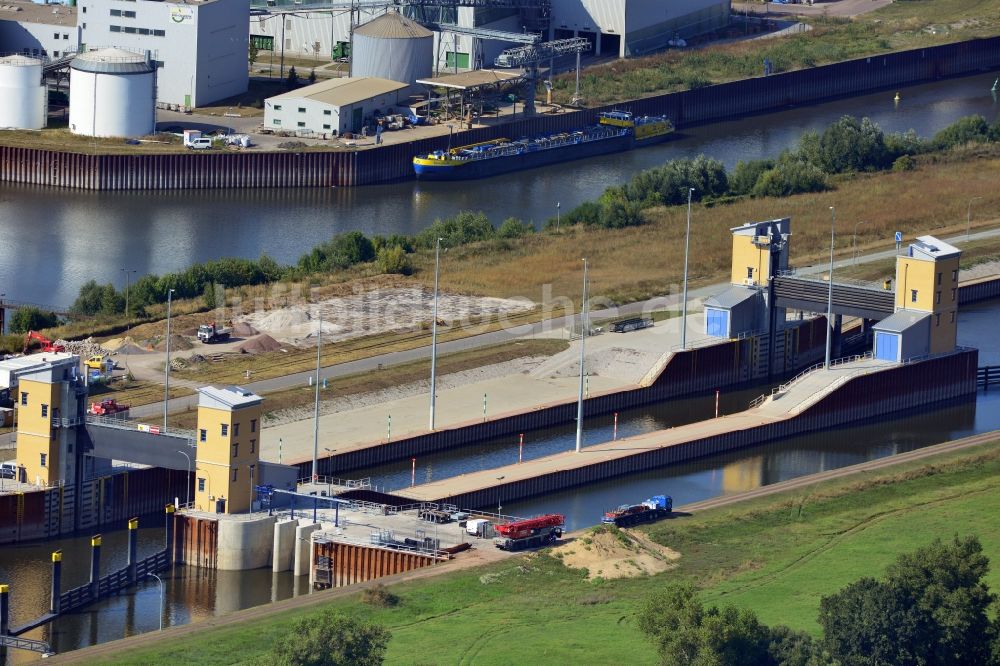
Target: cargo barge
[{"x": 616, "y": 131}]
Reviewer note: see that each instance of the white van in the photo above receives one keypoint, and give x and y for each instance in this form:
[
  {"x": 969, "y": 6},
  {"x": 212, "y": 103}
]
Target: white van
[
  {"x": 201, "y": 143},
  {"x": 8, "y": 469}
]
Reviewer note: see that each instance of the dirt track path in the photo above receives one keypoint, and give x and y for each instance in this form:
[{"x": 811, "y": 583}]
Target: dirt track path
[{"x": 487, "y": 555}]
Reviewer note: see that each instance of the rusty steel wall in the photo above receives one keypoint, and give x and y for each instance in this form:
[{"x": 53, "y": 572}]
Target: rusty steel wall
[
  {"x": 106, "y": 503},
  {"x": 243, "y": 170},
  {"x": 354, "y": 563},
  {"x": 196, "y": 541},
  {"x": 869, "y": 397}
]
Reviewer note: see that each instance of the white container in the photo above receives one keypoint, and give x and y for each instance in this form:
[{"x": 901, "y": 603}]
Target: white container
[
  {"x": 112, "y": 92},
  {"x": 25, "y": 98}
]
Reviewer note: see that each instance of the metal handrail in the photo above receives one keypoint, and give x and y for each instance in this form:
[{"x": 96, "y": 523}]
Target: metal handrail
[{"x": 783, "y": 388}]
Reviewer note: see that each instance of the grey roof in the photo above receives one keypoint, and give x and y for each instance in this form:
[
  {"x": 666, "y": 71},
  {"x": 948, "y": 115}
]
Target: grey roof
[
  {"x": 233, "y": 397},
  {"x": 20, "y": 61},
  {"x": 112, "y": 61},
  {"x": 932, "y": 248},
  {"x": 731, "y": 297},
  {"x": 343, "y": 91},
  {"x": 392, "y": 25},
  {"x": 901, "y": 320}
]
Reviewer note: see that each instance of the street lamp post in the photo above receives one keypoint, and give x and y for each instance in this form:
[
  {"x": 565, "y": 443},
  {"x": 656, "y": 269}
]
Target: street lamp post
[
  {"x": 684, "y": 296},
  {"x": 499, "y": 478},
  {"x": 558, "y": 219},
  {"x": 434, "y": 329},
  {"x": 583, "y": 344},
  {"x": 128, "y": 321},
  {"x": 160, "y": 581},
  {"x": 166, "y": 366},
  {"x": 319, "y": 352},
  {"x": 854, "y": 241},
  {"x": 829, "y": 298},
  {"x": 187, "y": 483},
  {"x": 968, "y": 217}
]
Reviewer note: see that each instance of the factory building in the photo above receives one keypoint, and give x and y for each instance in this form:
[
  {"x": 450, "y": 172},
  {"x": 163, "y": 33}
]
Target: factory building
[
  {"x": 38, "y": 30},
  {"x": 200, "y": 48},
  {"x": 335, "y": 106},
  {"x": 615, "y": 27},
  {"x": 634, "y": 27}
]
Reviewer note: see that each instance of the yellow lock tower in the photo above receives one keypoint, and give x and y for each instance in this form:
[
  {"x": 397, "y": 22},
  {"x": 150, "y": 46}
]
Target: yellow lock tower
[
  {"x": 227, "y": 464},
  {"x": 50, "y": 397},
  {"x": 926, "y": 317}
]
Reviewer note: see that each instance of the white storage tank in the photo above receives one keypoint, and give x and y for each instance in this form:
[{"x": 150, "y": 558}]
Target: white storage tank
[
  {"x": 112, "y": 92},
  {"x": 25, "y": 98},
  {"x": 392, "y": 47}
]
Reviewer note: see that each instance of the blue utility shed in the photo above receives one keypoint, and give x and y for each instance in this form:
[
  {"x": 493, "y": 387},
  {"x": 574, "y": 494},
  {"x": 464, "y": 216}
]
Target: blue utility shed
[
  {"x": 903, "y": 335},
  {"x": 732, "y": 312}
]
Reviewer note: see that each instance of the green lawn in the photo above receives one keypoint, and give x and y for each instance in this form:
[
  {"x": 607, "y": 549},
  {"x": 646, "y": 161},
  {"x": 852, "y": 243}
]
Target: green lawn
[{"x": 777, "y": 555}]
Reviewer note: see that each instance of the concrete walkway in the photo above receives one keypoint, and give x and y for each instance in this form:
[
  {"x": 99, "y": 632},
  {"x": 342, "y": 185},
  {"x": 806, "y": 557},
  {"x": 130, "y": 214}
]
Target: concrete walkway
[
  {"x": 799, "y": 396},
  {"x": 554, "y": 381}
]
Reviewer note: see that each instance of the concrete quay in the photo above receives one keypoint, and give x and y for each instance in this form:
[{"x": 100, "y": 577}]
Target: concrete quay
[
  {"x": 851, "y": 391},
  {"x": 618, "y": 362}
]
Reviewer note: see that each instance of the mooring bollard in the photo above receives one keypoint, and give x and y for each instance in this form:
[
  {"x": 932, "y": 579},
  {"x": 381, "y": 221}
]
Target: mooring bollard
[
  {"x": 133, "y": 538},
  {"x": 4, "y": 609},
  {"x": 170, "y": 534},
  {"x": 55, "y": 605},
  {"x": 95, "y": 567}
]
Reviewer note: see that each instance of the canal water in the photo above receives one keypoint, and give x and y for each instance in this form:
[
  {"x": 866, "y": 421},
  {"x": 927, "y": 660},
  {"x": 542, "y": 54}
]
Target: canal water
[
  {"x": 96, "y": 234},
  {"x": 193, "y": 594}
]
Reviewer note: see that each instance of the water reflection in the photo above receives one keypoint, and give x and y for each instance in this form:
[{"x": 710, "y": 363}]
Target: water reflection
[{"x": 94, "y": 234}]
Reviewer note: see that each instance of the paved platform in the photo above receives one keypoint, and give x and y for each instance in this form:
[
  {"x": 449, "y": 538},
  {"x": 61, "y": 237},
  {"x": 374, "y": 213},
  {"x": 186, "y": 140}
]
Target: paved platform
[
  {"x": 797, "y": 396},
  {"x": 615, "y": 362}
]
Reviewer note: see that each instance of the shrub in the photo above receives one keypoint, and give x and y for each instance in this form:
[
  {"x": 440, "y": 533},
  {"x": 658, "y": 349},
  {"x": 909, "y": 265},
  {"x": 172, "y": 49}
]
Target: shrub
[
  {"x": 852, "y": 145},
  {"x": 380, "y": 597},
  {"x": 331, "y": 640},
  {"x": 465, "y": 227},
  {"x": 971, "y": 129},
  {"x": 789, "y": 177},
  {"x": 904, "y": 163},
  {"x": 746, "y": 175},
  {"x": 393, "y": 259},
  {"x": 513, "y": 227},
  {"x": 341, "y": 251}
]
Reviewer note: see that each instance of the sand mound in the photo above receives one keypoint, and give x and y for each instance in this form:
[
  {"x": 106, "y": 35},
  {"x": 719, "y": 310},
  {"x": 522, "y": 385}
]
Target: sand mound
[
  {"x": 608, "y": 552},
  {"x": 127, "y": 345},
  {"x": 177, "y": 343},
  {"x": 241, "y": 329},
  {"x": 260, "y": 343}
]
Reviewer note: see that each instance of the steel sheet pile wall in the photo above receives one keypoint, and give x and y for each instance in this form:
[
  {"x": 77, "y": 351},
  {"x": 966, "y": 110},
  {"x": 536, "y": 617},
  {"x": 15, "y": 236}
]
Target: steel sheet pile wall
[
  {"x": 196, "y": 541},
  {"x": 105, "y": 502},
  {"x": 236, "y": 170},
  {"x": 347, "y": 563},
  {"x": 114, "y": 499},
  {"x": 867, "y": 397}
]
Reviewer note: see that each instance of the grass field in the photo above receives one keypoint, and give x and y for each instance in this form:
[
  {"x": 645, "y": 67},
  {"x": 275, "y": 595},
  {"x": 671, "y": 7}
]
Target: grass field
[{"x": 777, "y": 555}]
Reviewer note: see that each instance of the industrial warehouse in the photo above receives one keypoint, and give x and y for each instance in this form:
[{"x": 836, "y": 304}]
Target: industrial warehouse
[{"x": 181, "y": 55}]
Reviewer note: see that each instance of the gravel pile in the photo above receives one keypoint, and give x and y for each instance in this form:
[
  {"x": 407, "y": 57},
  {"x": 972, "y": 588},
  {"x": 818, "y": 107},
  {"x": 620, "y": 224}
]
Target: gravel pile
[
  {"x": 260, "y": 343},
  {"x": 84, "y": 348}
]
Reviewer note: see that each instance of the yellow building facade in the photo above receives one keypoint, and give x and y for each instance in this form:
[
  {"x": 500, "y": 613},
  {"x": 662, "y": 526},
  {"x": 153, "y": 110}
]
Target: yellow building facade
[
  {"x": 49, "y": 406},
  {"x": 227, "y": 464},
  {"x": 927, "y": 281},
  {"x": 755, "y": 246}
]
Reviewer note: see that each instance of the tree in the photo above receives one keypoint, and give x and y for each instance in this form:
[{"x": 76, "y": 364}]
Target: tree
[
  {"x": 252, "y": 53},
  {"x": 852, "y": 145},
  {"x": 32, "y": 319},
  {"x": 293, "y": 77},
  {"x": 971, "y": 129},
  {"x": 312, "y": 76},
  {"x": 930, "y": 609},
  {"x": 686, "y": 632},
  {"x": 332, "y": 640}
]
